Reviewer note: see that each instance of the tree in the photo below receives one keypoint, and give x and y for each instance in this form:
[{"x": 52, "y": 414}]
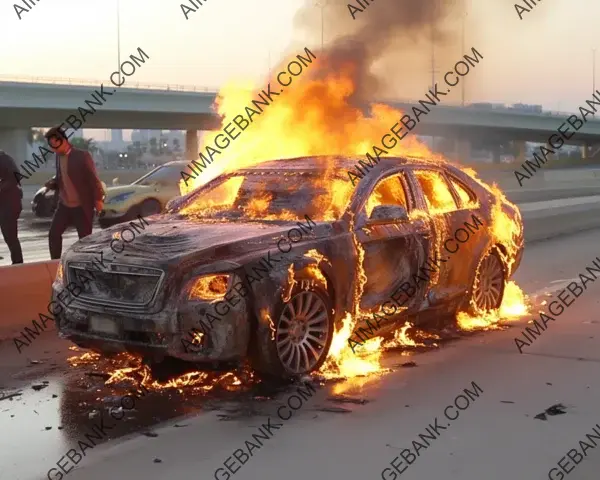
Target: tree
[
  {"x": 153, "y": 147},
  {"x": 176, "y": 145},
  {"x": 85, "y": 144}
]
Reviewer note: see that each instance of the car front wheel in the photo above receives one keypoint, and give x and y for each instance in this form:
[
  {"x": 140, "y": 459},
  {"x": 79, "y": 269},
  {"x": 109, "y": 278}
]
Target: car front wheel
[
  {"x": 149, "y": 207},
  {"x": 298, "y": 341}
]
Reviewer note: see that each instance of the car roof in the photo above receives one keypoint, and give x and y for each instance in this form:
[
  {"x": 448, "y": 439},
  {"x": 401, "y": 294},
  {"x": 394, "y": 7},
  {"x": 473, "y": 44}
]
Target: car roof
[
  {"x": 320, "y": 163},
  {"x": 177, "y": 162}
]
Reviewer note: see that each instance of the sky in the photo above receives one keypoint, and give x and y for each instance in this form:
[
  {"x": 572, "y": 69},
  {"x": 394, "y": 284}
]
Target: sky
[{"x": 544, "y": 58}]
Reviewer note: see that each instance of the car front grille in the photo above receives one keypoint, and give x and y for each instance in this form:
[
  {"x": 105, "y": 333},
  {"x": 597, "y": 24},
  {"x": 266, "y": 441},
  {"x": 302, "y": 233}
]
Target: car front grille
[{"x": 126, "y": 286}]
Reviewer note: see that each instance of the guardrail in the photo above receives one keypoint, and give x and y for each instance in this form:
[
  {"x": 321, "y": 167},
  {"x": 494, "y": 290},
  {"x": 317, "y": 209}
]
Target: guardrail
[{"x": 85, "y": 82}]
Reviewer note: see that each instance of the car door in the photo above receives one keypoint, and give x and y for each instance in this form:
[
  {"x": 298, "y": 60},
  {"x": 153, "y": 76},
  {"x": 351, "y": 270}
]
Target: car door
[
  {"x": 447, "y": 216},
  {"x": 395, "y": 249},
  {"x": 169, "y": 186}
]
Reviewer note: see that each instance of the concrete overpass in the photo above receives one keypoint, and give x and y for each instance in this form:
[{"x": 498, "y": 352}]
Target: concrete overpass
[{"x": 45, "y": 102}]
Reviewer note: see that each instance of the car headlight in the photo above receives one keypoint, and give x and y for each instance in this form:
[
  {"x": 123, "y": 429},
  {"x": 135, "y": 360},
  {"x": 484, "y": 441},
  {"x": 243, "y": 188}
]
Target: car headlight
[
  {"x": 121, "y": 197},
  {"x": 60, "y": 274},
  {"x": 208, "y": 287}
]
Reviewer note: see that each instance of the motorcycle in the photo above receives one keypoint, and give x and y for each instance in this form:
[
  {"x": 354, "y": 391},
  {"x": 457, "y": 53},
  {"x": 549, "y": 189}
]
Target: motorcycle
[{"x": 44, "y": 202}]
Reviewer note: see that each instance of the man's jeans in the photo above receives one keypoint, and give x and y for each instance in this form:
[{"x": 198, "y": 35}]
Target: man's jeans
[
  {"x": 9, "y": 215},
  {"x": 65, "y": 217}
]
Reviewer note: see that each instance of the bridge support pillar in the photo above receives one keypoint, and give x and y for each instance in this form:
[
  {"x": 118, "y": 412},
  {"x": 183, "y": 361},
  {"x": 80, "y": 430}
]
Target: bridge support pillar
[
  {"x": 14, "y": 142},
  {"x": 462, "y": 150},
  {"x": 585, "y": 151},
  {"x": 191, "y": 145},
  {"x": 521, "y": 150},
  {"x": 551, "y": 156}
]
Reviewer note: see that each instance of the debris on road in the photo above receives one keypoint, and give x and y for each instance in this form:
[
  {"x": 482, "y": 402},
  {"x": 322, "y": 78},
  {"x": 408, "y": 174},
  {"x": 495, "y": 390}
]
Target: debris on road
[
  {"x": 556, "y": 409},
  {"x": 345, "y": 399},
  {"x": 407, "y": 364},
  {"x": 10, "y": 396},
  {"x": 334, "y": 410}
]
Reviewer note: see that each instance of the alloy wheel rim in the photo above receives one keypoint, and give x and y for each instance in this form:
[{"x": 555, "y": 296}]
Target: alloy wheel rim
[
  {"x": 302, "y": 332},
  {"x": 490, "y": 282}
]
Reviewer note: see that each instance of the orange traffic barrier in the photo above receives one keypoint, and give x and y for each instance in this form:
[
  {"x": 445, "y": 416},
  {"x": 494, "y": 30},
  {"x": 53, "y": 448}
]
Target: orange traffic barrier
[{"x": 24, "y": 293}]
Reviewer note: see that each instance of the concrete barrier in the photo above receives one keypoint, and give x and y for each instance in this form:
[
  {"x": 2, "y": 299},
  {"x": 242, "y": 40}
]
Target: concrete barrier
[
  {"x": 24, "y": 294},
  {"x": 570, "y": 175},
  {"x": 555, "y": 218}
]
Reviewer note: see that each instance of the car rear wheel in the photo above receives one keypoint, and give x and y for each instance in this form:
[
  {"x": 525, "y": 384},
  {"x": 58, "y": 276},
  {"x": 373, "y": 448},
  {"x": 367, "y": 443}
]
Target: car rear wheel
[
  {"x": 150, "y": 207},
  {"x": 488, "y": 287},
  {"x": 303, "y": 330}
]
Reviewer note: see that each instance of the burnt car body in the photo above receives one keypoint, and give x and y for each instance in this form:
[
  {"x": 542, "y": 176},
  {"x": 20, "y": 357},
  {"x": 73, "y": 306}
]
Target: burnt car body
[{"x": 165, "y": 284}]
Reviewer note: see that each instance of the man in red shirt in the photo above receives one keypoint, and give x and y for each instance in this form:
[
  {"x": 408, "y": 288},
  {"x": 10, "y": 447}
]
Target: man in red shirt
[{"x": 80, "y": 190}]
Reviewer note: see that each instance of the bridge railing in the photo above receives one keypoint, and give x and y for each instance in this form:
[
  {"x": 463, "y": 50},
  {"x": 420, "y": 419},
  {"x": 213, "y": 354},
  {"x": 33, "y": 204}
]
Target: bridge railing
[
  {"x": 470, "y": 106},
  {"x": 212, "y": 89},
  {"x": 85, "y": 82}
]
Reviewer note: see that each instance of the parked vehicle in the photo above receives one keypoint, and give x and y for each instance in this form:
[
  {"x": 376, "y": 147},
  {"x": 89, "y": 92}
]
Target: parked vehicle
[
  {"x": 146, "y": 196},
  {"x": 191, "y": 266},
  {"x": 44, "y": 202}
]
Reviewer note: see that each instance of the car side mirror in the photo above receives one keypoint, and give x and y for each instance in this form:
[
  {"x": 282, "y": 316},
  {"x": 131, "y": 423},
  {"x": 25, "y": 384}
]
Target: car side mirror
[{"x": 388, "y": 214}]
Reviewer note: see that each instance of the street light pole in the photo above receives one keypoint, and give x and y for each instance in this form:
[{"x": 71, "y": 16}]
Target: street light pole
[
  {"x": 432, "y": 48},
  {"x": 594, "y": 74},
  {"x": 593, "y": 70},
  {"x": 118, "y": 35},
  {"x": 322, "y": 4},
  {"x": 462, "y": 84}
]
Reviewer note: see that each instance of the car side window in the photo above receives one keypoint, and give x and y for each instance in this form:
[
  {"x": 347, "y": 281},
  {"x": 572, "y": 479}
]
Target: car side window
[
  {"x": 436, "y": 191},
  {"x": 467, "y": 198},
  {"x": 389, "y": 191}
]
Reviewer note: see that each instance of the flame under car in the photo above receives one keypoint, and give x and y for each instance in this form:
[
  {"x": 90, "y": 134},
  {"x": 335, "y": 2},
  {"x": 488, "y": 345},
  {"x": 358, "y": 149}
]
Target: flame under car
[{"x": 186, "y": 278}]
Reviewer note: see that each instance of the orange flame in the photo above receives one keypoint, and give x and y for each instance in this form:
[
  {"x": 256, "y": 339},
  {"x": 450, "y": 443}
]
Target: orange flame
[
  {"x": 401, "y": 338},
  {"x": 514, "y": 306},
  {"x": 314, "y": 116},
  {"x": 341, "y": 361}
]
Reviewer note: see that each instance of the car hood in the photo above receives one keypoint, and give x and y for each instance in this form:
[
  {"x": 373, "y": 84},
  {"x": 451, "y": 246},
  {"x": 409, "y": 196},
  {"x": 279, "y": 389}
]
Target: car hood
[{"x": 166, "y": 239}]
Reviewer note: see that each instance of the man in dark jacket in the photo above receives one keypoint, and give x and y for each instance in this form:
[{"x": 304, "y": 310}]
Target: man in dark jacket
[
  {"x": 10, "y": 206},
  {"x": 80, "y": 190}
]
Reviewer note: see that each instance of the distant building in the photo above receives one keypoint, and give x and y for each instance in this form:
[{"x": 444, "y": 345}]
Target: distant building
[
  {"x": 527, "y": 108},
  {"x": 142, "y": 136},
  {"x": 489, "y": 106},
  {"x": 116, "y": 137}
]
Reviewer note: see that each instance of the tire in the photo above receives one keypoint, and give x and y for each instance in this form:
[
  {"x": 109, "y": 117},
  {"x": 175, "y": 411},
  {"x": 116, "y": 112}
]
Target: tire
[
  {"x": 487, "y": 291},
  {"x": 149, "y": 207},
  {"x": 296, "y": 347}
]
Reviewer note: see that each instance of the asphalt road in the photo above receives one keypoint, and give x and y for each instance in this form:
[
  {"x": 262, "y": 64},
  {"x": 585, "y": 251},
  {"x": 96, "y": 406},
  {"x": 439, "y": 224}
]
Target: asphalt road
[{"x": 349, "y": 429}]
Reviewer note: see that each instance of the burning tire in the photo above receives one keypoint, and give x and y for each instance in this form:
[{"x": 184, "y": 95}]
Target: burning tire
[
  {"x": 488, "y": 288},
  {"x": 302, "y": 337}
]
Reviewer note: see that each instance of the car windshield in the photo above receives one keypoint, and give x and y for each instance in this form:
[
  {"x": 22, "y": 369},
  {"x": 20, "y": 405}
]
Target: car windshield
[
  {"x": 270, "y": 196},
  {"x": 165, "y": 174}
]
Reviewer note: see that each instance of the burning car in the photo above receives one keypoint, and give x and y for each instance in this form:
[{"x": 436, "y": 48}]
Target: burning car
[{"x": 221, "y": 273}]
